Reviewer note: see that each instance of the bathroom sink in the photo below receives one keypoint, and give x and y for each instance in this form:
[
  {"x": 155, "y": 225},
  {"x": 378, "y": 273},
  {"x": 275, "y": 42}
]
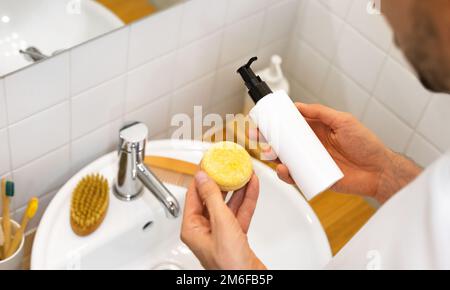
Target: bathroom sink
[
  {"x": 49, "y": 25},
  {"x": 285, "y": 232}
]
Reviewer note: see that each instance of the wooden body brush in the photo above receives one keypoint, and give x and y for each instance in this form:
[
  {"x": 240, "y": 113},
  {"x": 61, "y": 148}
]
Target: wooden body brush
[{"x": 90, "y": 201}]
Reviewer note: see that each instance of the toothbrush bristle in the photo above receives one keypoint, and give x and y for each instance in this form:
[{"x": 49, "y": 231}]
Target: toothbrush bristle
[{"x": 10, "y": 188}]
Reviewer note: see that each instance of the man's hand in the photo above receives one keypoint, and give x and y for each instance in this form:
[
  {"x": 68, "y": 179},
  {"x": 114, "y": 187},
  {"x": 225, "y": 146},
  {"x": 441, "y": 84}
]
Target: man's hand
[
  {"x": 369, "y": 167},
  {"x": 216, "y": 232}
]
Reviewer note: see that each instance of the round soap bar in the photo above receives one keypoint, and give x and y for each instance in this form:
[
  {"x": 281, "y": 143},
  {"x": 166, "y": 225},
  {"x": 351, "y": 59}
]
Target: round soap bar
[{"x": 228, "y": 164}]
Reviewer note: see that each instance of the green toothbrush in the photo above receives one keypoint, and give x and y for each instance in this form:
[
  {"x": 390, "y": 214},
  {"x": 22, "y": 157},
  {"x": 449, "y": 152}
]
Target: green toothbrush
[{"x": 9, "y": 193}]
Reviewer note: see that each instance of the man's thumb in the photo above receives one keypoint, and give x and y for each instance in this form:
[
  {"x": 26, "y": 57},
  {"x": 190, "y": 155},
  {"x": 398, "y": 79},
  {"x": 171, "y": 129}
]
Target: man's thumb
[{"x": 209, "y": 192}]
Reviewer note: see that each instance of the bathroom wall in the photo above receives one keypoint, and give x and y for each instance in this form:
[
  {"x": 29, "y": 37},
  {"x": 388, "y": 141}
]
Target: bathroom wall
[
  {"x": 60, "y": 115},
  {"x": 344, "y": 57}
]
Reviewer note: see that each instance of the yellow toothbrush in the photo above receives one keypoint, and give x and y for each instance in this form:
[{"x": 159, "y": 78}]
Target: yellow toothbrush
[{"x": 30, "y": 212}]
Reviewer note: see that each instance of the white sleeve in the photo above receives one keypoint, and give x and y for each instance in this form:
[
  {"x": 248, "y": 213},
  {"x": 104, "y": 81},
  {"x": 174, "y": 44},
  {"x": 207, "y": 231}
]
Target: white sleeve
[{"x": 411, "y": 231}]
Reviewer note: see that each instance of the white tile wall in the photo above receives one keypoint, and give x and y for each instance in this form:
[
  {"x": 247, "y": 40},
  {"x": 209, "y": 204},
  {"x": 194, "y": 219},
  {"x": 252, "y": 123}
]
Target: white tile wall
[
  {"x": 345, "y": 58},
  {"x": 2, "y": 105}
]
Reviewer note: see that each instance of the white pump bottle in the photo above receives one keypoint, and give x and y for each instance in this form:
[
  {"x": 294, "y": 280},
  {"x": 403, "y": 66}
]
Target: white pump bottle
[{"x": 290, "y": 136}]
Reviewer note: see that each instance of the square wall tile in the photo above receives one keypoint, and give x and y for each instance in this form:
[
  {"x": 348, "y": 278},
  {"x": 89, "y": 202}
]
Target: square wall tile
[
  {"x": 434, "y": 124},
  {"x": 400, "y": 90},
  {"x": 202, "y": 17},
  {"x": 422, "y": 152},
  {"x": 320, "y": 28},
  {"x": 99, "y": 60},
  {"x": 359, "y": 58},
  {"x": 228, "y": 82},
  {"x": 300, "y": 94},
  {"x": 155, "y": 115},
  {"x": 195, "y": 94},
  {"x": 197, "y": 60},
  {"x": 279, "y": 21},
  {"x": 391, "y": 130},
  {"x": 37, "y": 87},
  {"x": 42, "y": 176},
  {"x": 338, "y": 7},
  {"x": 94, "y": 145},
  {"x": 154, "y": 36},
  {"x": 341, "y": 93},
  {"x": 39, "y": 134},
  {"x": 242, "y": 38},
  {"x": 150, "y": 81},
  {"x": 3, "y": 119},
  {"x": 373, "y": 26},
  {"x": 4, "y": 152},
  {"x": 307, "y": 66},
  {"x": 98, "y": 106},
  {"x": 239, "y": 9}
]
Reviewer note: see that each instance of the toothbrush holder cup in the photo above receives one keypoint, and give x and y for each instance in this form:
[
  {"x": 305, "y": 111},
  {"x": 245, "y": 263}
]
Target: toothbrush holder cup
[{"x": 14, "y": 262}]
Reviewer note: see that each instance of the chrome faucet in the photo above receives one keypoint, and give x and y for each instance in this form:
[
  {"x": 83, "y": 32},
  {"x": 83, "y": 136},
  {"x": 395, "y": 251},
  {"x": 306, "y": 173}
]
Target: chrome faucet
[{"x": 133, "y": 175}]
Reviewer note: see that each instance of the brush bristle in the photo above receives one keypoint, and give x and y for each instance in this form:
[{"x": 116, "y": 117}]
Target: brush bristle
[
  {"x": 9, "y": 188},
  {"x": 90, "y": 202}
]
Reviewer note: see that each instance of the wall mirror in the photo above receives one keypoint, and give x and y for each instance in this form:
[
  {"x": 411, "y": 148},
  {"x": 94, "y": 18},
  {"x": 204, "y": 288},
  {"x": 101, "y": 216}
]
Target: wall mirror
[{"x": 33, "y": 30}]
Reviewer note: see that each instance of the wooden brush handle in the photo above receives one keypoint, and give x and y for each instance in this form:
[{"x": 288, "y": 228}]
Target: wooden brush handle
[
  {"x": 171, "y": 164},
  {"x": 17, "y": 238},
  {"x": 6, "y": 224}
]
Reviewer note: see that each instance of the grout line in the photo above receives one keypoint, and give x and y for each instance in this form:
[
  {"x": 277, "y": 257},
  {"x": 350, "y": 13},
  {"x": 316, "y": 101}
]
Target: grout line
[{"x": 70, "y": 113}]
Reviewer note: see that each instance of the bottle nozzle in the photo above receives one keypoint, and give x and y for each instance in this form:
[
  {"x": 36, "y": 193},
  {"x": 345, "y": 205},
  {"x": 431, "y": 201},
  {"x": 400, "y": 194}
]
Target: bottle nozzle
[{"x": 257, "y": 87}]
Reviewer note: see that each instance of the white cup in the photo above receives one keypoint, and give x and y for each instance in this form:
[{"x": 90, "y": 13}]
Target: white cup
[{"x": 15, "y": 261}]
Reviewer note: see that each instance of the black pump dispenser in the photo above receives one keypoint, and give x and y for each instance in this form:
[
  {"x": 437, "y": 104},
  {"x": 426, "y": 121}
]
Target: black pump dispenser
[{"x": 258, "y": 89}]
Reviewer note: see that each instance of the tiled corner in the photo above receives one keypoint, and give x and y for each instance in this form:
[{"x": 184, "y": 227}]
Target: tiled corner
[
  {"x": 197, "y": 59},
  {"x": 150, "y": 81},
  {"x": 422, "y": 152},
  {"x": 99, "y": 60},
  {"x": 41, "y": 176},
  {"x": 400, "y": 91},
  {"x": 4, "y": 152},
  {"x": 300, "y": 94},
  {"x": 102, "y": 104},
  {"x": 434, "y": 123},
  {"x": 307, "y": 66},
  {"x": 320, "y": 28},
  {"x": 3, "y": 119},
  {"x": 241, "y": 37},
  {"x": 155, "y": 115},
  {"x": 200, "y": 18},
  {"x": 239, "y": 9},
  {"x": 341, "y": 93},
  {"x": 359, "y": 58},
  {"x": 392, "y": 131},
  {"x": 39, "y": 134},
  {"x": 37, "y": 87},
  {"x": 278, "y": 21},
  {"x": 338, "y": 7},
  {"x": 373, "y": 26},
  {"x": 95, "y": 144},
  {"x": 195, "y": 94},
  {"x": 154, "y": 36},
  {"x": 228, "y": 82}
]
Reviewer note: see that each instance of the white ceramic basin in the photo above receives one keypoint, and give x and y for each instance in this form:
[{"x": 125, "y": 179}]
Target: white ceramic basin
[
  {"x": 285, "y": 232},
  {"x": 49, "y": 25}
]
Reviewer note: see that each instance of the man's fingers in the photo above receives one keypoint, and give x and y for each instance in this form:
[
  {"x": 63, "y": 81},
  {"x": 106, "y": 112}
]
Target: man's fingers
[
  {"x": 283, "y": 174},
  {"x": 193, "y": 204},
  {"x": 210, "y": 194},
  {"x": 248, "y": 206},
  {"x": 236, "y": 200},
  {"x": 325, "y": 114}
]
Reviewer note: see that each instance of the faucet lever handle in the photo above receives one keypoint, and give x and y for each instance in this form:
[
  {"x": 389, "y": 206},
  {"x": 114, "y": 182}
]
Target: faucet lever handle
[{"x": 133, "y": 136}]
